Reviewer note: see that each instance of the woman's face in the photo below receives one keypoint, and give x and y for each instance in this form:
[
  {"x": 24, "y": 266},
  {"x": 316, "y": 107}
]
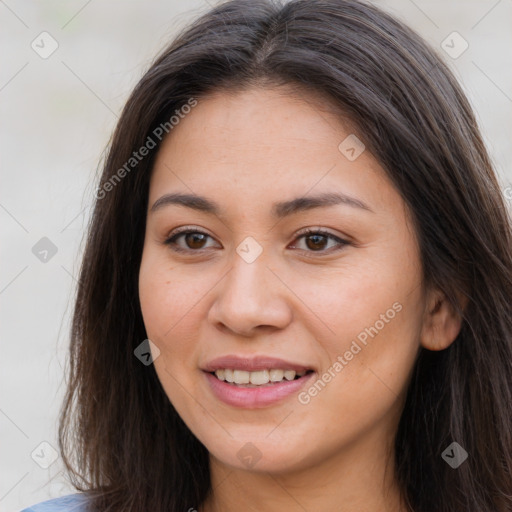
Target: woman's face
[{"x": 250, "y": 294}]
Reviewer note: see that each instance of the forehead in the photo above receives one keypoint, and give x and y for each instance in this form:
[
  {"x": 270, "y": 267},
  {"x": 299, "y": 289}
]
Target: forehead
[
  {"x": 253, "y": 117},
  {"x": 262, "y": 143}
]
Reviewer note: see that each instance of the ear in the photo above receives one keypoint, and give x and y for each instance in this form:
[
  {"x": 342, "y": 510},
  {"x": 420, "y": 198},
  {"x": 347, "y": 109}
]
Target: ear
[{"x": 441, "y": 322}]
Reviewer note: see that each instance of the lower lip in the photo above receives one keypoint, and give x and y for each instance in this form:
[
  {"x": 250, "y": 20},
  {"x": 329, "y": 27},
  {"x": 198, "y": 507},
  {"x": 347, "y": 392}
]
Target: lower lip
[{"x": 257, "y": 397}]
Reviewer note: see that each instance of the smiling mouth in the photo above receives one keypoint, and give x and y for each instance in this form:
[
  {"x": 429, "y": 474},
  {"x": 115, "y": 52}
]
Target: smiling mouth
[{"x": 258, "y": 379}]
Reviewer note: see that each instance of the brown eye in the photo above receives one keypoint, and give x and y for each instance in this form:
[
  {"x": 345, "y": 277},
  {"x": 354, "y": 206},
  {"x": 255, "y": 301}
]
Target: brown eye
[
  {"x": 194, "y": 240},
  {"x": 318, "y": 241}
]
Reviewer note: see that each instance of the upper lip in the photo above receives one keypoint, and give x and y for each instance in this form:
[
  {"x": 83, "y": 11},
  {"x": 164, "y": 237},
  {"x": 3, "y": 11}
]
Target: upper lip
[{"x": 252, "y": 364}]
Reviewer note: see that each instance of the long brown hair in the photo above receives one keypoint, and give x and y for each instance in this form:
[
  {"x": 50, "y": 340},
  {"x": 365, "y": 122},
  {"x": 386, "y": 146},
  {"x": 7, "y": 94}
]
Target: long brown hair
[{"x": 120, "y": 437}]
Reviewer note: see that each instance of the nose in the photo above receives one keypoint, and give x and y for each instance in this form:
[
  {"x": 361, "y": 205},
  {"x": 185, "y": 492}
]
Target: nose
[{"x": 250, "y": 299}]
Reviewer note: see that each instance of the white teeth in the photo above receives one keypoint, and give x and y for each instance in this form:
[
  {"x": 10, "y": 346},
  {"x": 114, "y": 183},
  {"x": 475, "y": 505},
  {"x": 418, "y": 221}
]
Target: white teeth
[
  {"x": 289, "y": 374},
  {"x": 257, "y": 378},
  {"x": 276, "y": 375},
  {"x": 240, "y": 377}
]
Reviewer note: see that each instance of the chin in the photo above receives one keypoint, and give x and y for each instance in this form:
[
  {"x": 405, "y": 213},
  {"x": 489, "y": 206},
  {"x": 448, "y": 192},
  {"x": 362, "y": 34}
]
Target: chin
[{"x": 260, "y": 455}]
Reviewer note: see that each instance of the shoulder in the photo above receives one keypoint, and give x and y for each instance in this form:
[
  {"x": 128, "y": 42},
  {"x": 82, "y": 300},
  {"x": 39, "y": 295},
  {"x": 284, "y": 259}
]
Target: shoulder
[{"x": 70, "y": 503}]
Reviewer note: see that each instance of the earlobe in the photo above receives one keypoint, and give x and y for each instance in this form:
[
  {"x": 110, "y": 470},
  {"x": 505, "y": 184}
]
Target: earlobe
[{"x": 441, "y": 323}]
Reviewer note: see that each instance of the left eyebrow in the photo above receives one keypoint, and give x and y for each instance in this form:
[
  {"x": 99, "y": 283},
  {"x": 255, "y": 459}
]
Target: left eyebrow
[{"x": 279, "y": 210}]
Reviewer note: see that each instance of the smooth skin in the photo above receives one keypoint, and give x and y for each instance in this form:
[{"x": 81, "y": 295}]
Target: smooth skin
[{"x": 303, "y": 299}]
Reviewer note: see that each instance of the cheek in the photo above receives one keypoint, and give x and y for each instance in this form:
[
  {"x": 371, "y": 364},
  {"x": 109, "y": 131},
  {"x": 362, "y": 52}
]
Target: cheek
[
  {"x": 153, "y": 290},
  {"x": 167, "y": 303},
  {"x": 370, "y": 318},
  {"x": 172, "y": 304},
  {"x": 345, "y": 303},
  {"x": 373, "y": 357},
  {"x": 165, "y": 295},
  {"x": 363, "y": 383}
]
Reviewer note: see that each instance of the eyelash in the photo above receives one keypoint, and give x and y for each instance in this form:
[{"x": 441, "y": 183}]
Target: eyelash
[{"x": 171, "y": 240}]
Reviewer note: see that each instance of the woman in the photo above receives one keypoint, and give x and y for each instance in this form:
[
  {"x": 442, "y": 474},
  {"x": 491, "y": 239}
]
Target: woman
[{"x": 295, "y": 292}]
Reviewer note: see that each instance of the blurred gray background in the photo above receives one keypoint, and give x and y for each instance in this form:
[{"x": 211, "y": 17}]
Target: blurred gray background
[{"x": 67, "y": 69}]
